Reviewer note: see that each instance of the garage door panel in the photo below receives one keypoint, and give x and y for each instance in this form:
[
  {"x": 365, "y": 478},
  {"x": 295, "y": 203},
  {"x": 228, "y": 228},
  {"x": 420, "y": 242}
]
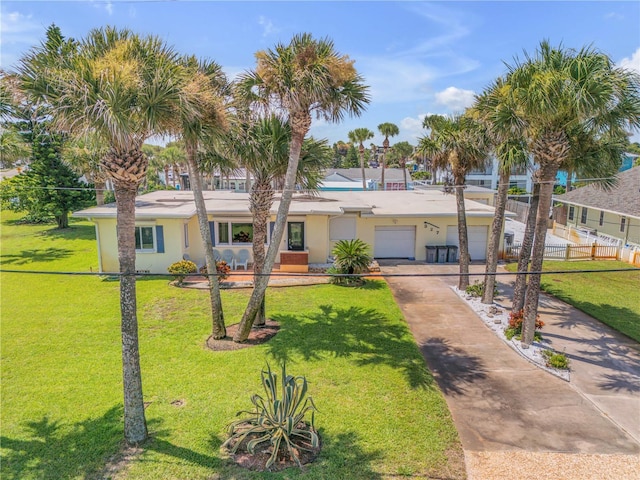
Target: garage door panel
[
  {"x": 477, "y": 240},
  {"x": 395, "y": 242}
]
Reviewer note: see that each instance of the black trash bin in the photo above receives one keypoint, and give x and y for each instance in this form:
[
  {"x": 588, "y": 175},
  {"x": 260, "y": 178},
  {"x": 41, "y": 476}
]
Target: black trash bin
[
  {"x": 431, "y": 253},
  {"x": 441, "y": 254},
  {"x": 452, "y": 253}
]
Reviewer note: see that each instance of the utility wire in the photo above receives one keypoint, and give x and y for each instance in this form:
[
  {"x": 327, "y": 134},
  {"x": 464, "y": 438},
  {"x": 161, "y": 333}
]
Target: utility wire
[{"x": 340, "y": 275}]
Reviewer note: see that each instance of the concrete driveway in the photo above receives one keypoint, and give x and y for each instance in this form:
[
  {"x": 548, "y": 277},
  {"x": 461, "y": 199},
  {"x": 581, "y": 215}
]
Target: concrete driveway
[{"x": 503, "y": 404}]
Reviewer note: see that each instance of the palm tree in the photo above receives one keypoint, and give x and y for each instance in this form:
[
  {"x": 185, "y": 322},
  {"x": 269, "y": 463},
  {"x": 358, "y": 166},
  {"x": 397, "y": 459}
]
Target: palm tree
[
  {"x": 262, "y": 147},
  {"x": 403, "y": 151},
  {"x": 388, "y": 130},
  {"x": 204, "y": 115},
  {"x": 84, "y": 154},
  {"x": 125, "y": 89},
  {"x": 494, "y": 109},
  {"x": 361, "y": 135},
  {"x": 171, "y": 157},
  {"x": 304, "y": 77},
  {"x": 563, "y": 95},
  {"x": 460, "y": 144}
]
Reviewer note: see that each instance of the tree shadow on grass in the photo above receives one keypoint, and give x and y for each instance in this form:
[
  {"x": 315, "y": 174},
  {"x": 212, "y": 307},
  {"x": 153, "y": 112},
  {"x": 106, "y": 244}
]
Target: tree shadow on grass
[
  {"x": 34, "y": 256},
  {"x": 452, "y": 367},
  {"x": 50, "y": 449},
  {"x": 365, "y": 336}
]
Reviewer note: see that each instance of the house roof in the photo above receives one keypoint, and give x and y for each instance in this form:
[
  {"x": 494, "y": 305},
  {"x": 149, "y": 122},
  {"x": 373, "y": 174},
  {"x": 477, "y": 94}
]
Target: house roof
[
  {"x": 623, "y": 199},
  {"x": 410, "y": 203},
  {"x": 390, "y": 174}
]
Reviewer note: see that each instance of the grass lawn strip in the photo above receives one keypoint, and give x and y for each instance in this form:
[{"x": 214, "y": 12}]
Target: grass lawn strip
[
  {"x": 611, "y": 297},
  {"x": 381, "y": 414}
]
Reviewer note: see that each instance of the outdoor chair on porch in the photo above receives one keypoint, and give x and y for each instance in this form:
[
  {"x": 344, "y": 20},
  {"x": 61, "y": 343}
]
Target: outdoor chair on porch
[
  {"x": 242, "y": 259},
  {"x": 227, "y": 256}
]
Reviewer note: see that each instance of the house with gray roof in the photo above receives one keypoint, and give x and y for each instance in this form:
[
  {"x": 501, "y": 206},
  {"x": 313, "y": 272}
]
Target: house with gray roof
[{"x": 613, "y": 214}]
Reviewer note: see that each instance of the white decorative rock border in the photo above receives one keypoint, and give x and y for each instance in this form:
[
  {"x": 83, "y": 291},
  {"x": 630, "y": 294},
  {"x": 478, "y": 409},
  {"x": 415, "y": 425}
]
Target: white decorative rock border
[{"x": 496, "y": 317}]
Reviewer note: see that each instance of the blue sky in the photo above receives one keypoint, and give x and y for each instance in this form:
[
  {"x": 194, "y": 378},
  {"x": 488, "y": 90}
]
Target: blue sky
[{"x": 418, "y": 57}]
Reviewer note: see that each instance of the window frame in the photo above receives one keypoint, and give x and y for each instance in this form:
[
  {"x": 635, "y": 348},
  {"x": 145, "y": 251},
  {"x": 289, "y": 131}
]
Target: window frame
[
  {"x": 623, "y": 224},
  {"x": 572, "y": 212},
  {"x": 229, "y": 228},
  {"x": 584, "y": 215},
  {"x": 601, "y": 222},
  {"x": 153, "y": 235},
  {"x": 185, "y": 228}
]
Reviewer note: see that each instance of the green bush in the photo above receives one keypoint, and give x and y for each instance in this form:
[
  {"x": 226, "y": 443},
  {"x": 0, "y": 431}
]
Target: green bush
[
  {"x": 181, "y": 269},
  {"x": 556, "y": 360},
  {"x": 516, "y": 191},
  {"x": 477, "y": 289},
  {"x": 279, "y": 418},
  {"x": 421, "y": 175},
  {"x": 351, "y": 258}
]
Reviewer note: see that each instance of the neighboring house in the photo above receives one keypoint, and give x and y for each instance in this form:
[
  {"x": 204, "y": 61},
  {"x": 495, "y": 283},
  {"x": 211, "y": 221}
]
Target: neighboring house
[
  {"x": 488, "y": 177},
  {"x": 612, "y": 214},
  {"x": 395, "y": 224},
  {"x": 393, "y": 178}
]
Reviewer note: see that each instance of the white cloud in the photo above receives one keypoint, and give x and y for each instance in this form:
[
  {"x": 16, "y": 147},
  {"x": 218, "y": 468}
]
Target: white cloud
[
  {"x": 408, "y": 75},
  {"x": 412, "y": 126},
  {"x": 632, "y": 63},
  {"x": 267, "y": 25},
  {"x": 456, "y": 99},
  {"x": 614, "y": 16},
  {"x": 18, "y": 32},
  {"x": 102, "y": 4}
]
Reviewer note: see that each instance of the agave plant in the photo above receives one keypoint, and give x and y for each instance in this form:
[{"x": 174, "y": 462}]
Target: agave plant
[{"x": 278, "y": 417}]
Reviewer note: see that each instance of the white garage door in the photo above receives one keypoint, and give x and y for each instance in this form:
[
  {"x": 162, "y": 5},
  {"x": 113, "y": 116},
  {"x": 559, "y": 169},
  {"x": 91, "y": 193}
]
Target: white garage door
[
  {"x": 395, "y": 242},
  {"x": 477, "y": 240}
]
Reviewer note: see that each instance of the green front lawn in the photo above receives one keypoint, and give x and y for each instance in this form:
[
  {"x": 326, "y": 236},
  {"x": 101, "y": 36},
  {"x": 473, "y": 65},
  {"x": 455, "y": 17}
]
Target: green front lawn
[
  {"x": 380, "y": 411},
  {"x": 611, "y": 297}
]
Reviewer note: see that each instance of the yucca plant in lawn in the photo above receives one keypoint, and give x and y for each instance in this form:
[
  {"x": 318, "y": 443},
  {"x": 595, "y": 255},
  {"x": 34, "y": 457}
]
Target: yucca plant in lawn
[
  {"x": 278, "y": 418},
  {"x": 351, "y": 257}
]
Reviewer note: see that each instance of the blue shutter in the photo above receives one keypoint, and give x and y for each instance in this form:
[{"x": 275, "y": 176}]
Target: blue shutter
[
  {"x": 271, "y": 226},
  {"x": 212, "y": 230},
  {"x": 159, "y": 239}
]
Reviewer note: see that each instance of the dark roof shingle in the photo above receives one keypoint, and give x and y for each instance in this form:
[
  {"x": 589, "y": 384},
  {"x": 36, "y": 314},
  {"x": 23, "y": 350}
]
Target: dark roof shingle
[{"x": 624, "y": 198}]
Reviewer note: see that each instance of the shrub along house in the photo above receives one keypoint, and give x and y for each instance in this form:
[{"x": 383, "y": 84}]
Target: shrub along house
[{"x": 396, "y": 224}]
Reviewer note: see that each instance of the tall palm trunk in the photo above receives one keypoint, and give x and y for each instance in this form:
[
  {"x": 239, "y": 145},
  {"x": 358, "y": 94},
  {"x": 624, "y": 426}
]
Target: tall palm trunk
[
  {"x": 100, "y": 186},
  {"x": 569, "y": 180},
  {"x": 260, "y": 204},
  {"x": 166, "y": 176},
  {"x": 494, "y": 238},
  {"x": 385, "y": 144},
  {"x": 300, "y": 123},
  {"x": 135, "y": 425},
  {"x": 218, "y": 329},
  {"x": 127, "y": 170},
  {"x": 517, "y": 303},
  {"x": 404, "y": 173},
  {"x": 364, "y": 180},
  {"x": 463, "y": 237},
  {"x": 552, "y": 150}
]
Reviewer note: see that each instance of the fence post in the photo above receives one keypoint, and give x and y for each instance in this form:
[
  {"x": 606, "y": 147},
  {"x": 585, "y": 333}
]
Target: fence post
[
  {"x": 567, "y": 253},
  {"x": 593, "y": 251}
]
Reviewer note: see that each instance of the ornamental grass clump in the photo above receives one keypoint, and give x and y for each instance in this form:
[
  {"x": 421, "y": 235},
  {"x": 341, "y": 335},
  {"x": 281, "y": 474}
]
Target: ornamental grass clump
[{"x": 279, "y": 419}]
